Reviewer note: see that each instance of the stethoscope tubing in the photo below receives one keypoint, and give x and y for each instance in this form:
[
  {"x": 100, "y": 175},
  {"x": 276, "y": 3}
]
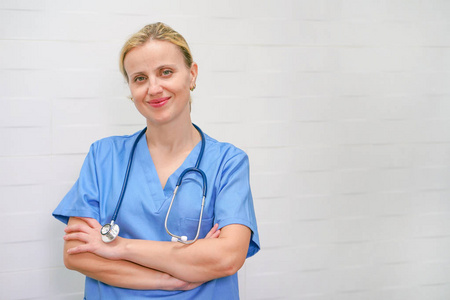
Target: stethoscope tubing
[
  {"x": 112, "y": 231},
  {"x": 178, "y": 238},
  {"x": 127, "y": 173},
  {"x": 183, "y": 239},
  {"x": 193, "y": 169}
]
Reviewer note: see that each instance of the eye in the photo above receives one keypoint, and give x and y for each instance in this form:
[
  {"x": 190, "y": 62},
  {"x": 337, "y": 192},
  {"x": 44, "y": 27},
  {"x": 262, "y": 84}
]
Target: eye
[
  {"x": 166, "y": 72},
  {"x": 139, "y": 78}
]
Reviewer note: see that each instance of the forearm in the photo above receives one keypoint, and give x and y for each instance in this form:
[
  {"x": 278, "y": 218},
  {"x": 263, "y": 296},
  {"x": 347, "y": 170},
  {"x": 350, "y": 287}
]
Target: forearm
[
  {"x": 115, "y": 273},
  {"x": 175, "y": 259},
  {"x": 220, "y": 254},
  {"x": 204, "y": 260},
  {"x": 119, "y": 273}
]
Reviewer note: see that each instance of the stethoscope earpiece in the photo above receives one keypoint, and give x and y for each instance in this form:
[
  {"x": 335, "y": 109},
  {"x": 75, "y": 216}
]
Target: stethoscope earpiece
[{"x": 182, "y": 239}]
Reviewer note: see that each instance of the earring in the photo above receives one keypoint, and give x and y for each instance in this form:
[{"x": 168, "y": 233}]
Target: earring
[{"x": 193, "y": 88}]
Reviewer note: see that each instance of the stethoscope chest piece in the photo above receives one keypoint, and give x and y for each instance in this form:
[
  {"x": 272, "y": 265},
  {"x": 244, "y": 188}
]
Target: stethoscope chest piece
[{"x": 110, "y": 232}]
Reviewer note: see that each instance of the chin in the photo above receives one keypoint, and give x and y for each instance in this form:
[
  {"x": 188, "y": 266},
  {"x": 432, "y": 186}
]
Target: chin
[{"x": 159, "y": 121}]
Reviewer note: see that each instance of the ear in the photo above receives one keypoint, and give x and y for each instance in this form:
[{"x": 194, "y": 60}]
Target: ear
[{"x": 194, "y": 73}]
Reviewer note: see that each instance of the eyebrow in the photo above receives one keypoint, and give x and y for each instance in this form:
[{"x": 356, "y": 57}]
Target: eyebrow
[
  {"x": 166, "y": 66},
  {"x": 171, "y": 66}
]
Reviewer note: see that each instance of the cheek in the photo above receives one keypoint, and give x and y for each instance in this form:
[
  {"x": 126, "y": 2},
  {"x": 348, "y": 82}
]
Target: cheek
[
  {"x": 137, "y": 92},
  {"x": 186, "y": 86},
  {"x": 177, "y": 88}
]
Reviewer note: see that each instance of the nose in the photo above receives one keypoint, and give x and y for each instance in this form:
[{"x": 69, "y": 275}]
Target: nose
[{"x": 154, "y": 87}]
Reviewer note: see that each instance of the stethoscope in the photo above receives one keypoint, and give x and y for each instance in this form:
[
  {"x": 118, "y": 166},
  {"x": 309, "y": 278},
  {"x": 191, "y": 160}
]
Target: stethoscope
[{"x": 111, "y": 231}]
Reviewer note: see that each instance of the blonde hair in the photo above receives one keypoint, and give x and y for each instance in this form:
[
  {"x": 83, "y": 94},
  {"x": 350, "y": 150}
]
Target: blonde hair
[{"x": 155, "y": 31}]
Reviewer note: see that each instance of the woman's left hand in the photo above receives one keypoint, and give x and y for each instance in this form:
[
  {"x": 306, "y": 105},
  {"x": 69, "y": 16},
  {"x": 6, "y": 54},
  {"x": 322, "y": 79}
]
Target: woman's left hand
[{"x": 88, "y": 232}]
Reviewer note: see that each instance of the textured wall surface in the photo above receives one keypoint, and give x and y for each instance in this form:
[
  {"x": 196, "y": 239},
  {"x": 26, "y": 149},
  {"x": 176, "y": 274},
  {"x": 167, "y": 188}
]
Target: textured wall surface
[{"x": 342, "y": 105}]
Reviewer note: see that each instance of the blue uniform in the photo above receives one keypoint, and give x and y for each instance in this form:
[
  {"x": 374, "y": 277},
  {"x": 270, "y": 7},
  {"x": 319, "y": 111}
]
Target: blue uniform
[{"x": 145, "y": 204}]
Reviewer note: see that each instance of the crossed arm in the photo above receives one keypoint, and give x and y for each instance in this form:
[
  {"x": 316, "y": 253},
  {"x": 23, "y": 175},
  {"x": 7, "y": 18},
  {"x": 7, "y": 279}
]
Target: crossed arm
[{"x": 141, "y": 264}]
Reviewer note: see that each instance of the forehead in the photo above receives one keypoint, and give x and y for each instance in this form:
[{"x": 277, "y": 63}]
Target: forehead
[{"x": 153, "y": 53}]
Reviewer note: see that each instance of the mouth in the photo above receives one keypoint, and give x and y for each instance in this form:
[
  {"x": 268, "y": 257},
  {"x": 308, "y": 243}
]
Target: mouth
[{"x": 158, "y": 102}]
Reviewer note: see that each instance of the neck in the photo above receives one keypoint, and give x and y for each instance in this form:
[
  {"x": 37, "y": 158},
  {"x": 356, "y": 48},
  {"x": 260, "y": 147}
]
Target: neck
[{"x": 173, "y": 136}]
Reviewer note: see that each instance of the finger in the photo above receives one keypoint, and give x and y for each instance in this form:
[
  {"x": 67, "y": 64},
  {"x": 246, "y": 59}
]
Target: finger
[
  {"x": 77, "y": 228},
  {"x": 193, "y": 285},
  {"x": 82, "y": 237},
  {"x": 212, "y": 231},
  {"x": 79, "y": 249},
  {"x": 215, "y": 235}
]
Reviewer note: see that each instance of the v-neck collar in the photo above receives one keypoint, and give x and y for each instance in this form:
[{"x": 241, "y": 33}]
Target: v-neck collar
[{"x": 158, "y": 194}]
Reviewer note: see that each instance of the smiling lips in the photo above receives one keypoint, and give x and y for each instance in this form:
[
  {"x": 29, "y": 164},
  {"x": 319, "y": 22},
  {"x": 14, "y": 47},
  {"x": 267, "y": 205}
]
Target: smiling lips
[{"x": 158, "y": 102}]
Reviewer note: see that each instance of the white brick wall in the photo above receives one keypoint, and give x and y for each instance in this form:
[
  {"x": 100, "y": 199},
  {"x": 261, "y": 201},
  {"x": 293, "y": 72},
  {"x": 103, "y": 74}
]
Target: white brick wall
[{"x": 342, "y": 105}]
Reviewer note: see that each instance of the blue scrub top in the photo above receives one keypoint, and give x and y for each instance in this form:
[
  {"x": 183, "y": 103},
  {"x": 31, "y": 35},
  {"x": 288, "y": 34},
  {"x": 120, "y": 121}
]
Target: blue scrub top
[{"x": 145, "y": 204}]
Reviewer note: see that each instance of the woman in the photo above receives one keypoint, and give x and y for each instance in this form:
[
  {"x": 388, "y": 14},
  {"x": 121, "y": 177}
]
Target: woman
[{"x": 142, "y": 262}]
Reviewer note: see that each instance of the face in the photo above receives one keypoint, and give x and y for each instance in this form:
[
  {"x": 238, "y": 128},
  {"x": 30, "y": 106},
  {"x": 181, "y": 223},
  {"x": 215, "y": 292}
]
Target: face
[{"x": 160, "y": 81}]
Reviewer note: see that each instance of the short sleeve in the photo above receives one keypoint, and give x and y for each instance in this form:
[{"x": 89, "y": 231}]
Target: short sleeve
[
  {"x": 234, "y": 201},
  {"x": 83, "y": 198}
]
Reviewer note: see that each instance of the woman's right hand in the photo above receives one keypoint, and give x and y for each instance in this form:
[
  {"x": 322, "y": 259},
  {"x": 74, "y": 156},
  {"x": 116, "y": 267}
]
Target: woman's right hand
[
  {"x": 180, "y": 285},
  {"x": 170, "y": 283}
]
